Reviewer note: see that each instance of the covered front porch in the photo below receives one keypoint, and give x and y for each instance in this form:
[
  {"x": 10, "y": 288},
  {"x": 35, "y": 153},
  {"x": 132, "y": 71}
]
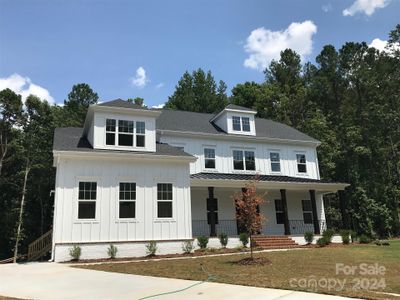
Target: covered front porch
[{"x": 293, "y": 205}]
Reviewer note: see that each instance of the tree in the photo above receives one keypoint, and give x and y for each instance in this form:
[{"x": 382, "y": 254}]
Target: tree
[
  {"x": 10, "y": 113},
  {"x": 198, "y": 92},
  {"x": 138, "y": 101},
  {"x": 79, "y": 99},
  {"x": 247, "y": 214}
]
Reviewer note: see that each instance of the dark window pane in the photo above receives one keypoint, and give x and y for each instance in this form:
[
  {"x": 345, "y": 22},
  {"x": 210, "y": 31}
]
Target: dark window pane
[
  {"x": 140, "y": 127},
  {"x": 164, "y": 191},
  {"x": 250, "y": 162},
  {"x": 81, "y": 186},
  {"x": 209, "y": 163},
  {"x": 246, "y": 124},
  {"x": 307, "y": 216},
  {"x": 164, "y": 209},
  {"x": 280, "y": 218},
  {"x": 306, "y": 205},
  {"x": 81, "y": 195},
  {"x": 301, "y": 158},
  {"x": 87, "y": 210},
  {"x": 209, "y": 153},
  {"x": 110, "y": 138},
  {"x": 140, "y": 141},
  {"x": 127, "y": 191},
  {"x": 301, "y": 168},
  {"x": 238, "y": 160},
  {"x": 110, "y": 125},
  {"x": 275, "y": 167},
  {"x": 125, "y": 140},
  {"x": 236, "y": 123},
  {"x": 127, "y": 209},
  {"x": 278, "y": 205}
]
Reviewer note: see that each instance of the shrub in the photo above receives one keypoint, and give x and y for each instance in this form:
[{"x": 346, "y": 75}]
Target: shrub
[
  {"x": 353, "y": 236},
  {"x": 385, "y": 243},
  {"x": 309, "y": 237},
  {"x": 75, "y": 252},
  {"x": 223, "y": 239},
  {"x": 202, "y": 241},
  {"x": 328, "y": 234},
  {"x": 112, "y": 251},
  {"x": 364, "y": 239},
  {"x": 322, "y": 242},
  {"x": 244, "y": 238},
  {"x": 151, "y": 248},
  {"x": 187, "y": 247},
  {"x": 345, "y": 234}
]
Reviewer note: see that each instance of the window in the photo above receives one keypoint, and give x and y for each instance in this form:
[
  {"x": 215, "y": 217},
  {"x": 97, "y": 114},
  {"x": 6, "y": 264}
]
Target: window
[
  {"x": 110, "y": 131},
  {"x": 250, "y": 161},
  {"x": 280, "y": 215},
  {"x": 164, "y": 200},
  {"x": 238, "y": 160},
  {"x": 301, "y": 163},
  {"x": 127, "y": 200},
  {"x": 209, "y": 158},
  {"x": 236, "y": 124},
  {"x": 87, "y": 200},
  {"x": 140, "y": 134},
  {"x": 242, "y": 159},
  {"x": 275, "y": 161},
  {"x": 307, "y": 211},
  {"x": 246, "y": 124},
  {"x": 125, "y": 133}
]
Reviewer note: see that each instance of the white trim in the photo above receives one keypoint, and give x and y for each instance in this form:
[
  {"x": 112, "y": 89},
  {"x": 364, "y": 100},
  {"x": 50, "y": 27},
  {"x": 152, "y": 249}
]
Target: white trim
[
  {"x": 269, "y": 162},
  {"x": 76, "y": 200},
  {"x": 251, "y": 112},
  {"x": 117, "y": 218}
]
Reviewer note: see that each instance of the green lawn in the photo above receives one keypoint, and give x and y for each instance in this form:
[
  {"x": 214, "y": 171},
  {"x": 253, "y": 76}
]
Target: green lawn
[{"x": 287, "y": 270}]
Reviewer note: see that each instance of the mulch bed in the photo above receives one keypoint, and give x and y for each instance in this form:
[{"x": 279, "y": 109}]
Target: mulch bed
[{"x": 248, "y": 261}]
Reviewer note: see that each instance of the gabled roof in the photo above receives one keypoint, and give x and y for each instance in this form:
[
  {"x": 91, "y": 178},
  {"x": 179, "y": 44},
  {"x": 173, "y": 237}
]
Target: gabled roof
[
  {"x": 193, "y": 122},
  {"x": 237, "y": 107},
  {"x": 71, "y": 139},
  {"x": 122, "y": 104}
]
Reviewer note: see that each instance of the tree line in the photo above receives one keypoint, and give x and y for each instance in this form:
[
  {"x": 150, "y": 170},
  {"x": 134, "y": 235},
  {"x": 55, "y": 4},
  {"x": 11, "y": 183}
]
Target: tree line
[{"x": 349, "y": 100}]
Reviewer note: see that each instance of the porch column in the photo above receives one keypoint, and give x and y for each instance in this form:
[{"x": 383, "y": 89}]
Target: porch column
[
  {"x": 211, "y": 206},
  {"x": 314, "y": 212},
  {"x": 285, "y": 212}
]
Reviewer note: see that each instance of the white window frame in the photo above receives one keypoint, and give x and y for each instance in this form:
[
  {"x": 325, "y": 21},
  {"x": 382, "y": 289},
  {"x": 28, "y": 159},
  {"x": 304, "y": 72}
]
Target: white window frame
[
  {"x": 249, "y": 124},
  {"x": 124, "y": 200},
  {"x": 112, "y": 132},
  {"x": 240, "y": 124},
  {"x": 215, "y": 158},
  {"x": 270, "y": 161},
  {"x": 117, "y": 132},
  {"x": 126, "y": 133},
  {"x": 140, "y": 134},
  {"x": 172, "y": 218},
  {"x": 76, "y": 197},
  {"x": 244, "y": 160},
  {"x": 297, "y": 163}
]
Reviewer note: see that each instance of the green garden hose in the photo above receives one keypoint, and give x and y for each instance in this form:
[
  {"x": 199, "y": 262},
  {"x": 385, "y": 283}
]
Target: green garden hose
[{"x": 209, "y": 279}]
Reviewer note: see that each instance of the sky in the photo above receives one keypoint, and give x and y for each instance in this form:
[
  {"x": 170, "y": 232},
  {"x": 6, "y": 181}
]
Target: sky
[{"x": 127, "y": 48}]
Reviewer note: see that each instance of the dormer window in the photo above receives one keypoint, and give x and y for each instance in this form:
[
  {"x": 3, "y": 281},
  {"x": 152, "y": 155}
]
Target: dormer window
[
  {"x": 125, "y": 133},
  {"x": 236, "y": 123},
  {"x": 110, "y": 131},
  {"x": 140, "y": 134},
  {"x": 246, "y": 124}
]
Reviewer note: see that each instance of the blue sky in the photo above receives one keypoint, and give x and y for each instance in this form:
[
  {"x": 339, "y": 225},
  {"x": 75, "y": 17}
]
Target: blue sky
[{"x": 133, "y": 49}]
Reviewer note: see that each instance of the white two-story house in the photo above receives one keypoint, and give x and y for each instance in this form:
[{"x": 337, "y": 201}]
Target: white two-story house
[{"x": 134, "y": 175}]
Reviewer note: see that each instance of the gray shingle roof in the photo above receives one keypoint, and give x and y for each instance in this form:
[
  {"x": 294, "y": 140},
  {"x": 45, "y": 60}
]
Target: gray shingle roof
[
  {"x": 70, "y": 139},
  {"x": 122, "y": 103},
  {"x": 186, "y": 121},
  {"x": 234, "y": 106},
  {"x": 248, "y": 177}
]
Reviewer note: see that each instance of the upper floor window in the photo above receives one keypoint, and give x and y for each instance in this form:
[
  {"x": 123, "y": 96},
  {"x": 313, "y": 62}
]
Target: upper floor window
[
  {"x": 236, "y": 123},
  {"x": 301, "y": 163},
  {"x": 275, "y": 161},
  {"x": 125, "y": 133},
  {"x": 246, "y": 124},
  {"x": 164, "y": 200},
  {"x": 140, "y": 134},
  {"x": 87, "y": 200},
  {"x": 209, "y": 158},
  {"x": 127, "y": 200},
  {"x": 243, "y": 160},
  {"x": 110, "y": 131}
]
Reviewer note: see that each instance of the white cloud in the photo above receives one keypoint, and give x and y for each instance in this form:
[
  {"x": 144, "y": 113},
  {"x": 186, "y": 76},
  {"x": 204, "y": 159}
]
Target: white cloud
[
  {"x": 160, "y": 85},
  {"x": 367, "y": 7},
  {"x": 327, "y": 7},
  {"x": 140, "y": 79},
  {"x": 381, "y": 45},
  {"x": 159, "y": 105},
  {"x": 264, "y": 45},
  {"x": 24, "y": 86}
]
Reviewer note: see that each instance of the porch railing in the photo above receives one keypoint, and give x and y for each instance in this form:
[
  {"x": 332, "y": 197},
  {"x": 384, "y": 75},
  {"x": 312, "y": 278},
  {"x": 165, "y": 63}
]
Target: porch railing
[{"x": 201, "y": 227}]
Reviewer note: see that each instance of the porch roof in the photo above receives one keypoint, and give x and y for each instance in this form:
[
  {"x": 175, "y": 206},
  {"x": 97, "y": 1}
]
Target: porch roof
[{"x": 265, "y": 181}]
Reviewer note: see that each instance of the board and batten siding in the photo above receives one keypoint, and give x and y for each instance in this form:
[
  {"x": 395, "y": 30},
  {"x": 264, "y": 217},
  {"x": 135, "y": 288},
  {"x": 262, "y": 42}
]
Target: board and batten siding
[
  {"x": 224, "y": 159},
  {"x": 107, "y": 227}
]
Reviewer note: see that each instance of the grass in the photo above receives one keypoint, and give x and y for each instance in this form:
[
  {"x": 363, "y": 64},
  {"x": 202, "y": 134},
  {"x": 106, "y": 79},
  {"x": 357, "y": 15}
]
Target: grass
[{"x": 317, "y": 263}]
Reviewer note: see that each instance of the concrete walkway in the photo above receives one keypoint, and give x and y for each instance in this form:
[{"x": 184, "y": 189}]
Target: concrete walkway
[{"x": 59, "y": 281}]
